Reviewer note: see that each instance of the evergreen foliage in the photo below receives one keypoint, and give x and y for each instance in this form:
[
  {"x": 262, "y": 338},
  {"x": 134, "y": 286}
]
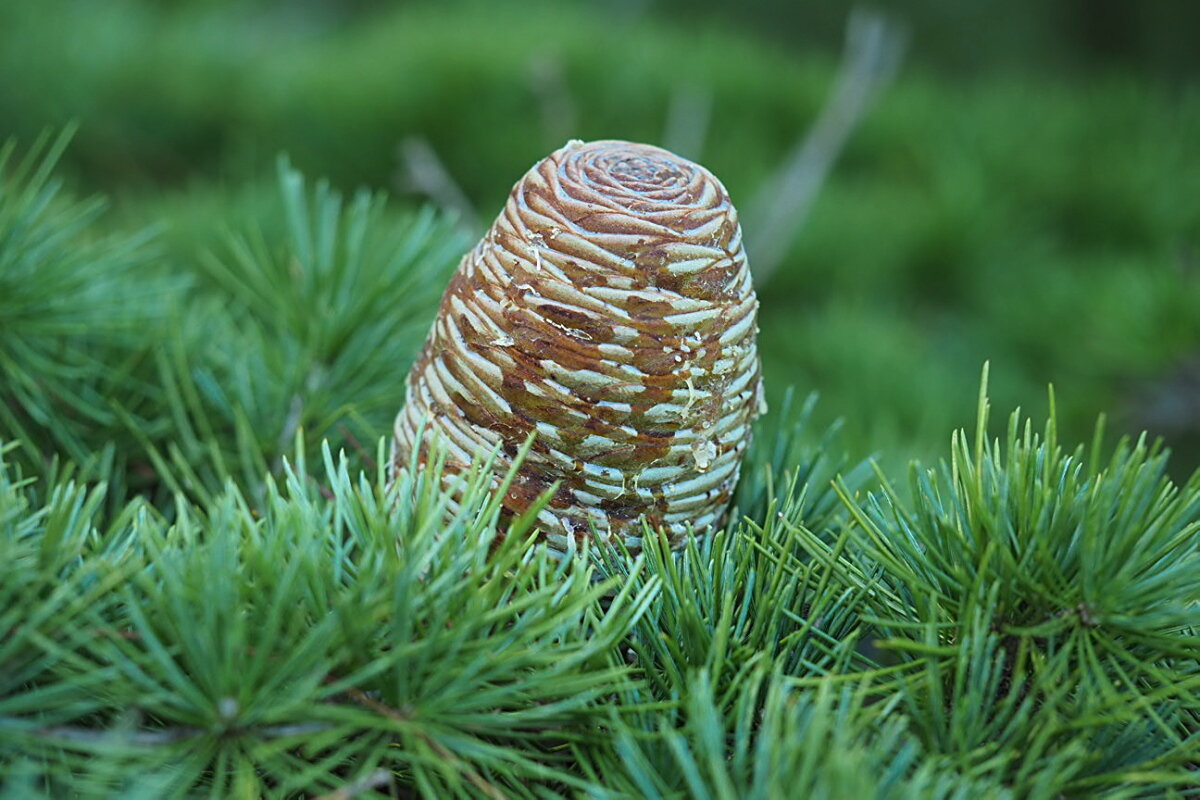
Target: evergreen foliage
[
  {"x": 308, "y": 322},
  {"x": 300, "y": 646},
  {"x": 175, "y": 372},
  {"x": 209, "y": 587},
  {"x": 1050, "y": 596},
  {"x": 76, "y": 310}
]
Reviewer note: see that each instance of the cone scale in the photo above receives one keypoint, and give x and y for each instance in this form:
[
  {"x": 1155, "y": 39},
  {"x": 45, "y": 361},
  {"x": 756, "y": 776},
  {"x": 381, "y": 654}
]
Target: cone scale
[{"x": 609, "y": 311}]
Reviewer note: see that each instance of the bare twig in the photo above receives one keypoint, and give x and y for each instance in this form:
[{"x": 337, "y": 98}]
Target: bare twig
[
  {"x": 1171, "y": 404},
  {"x": 487, "y": 788},
  {"x": 352, "y": 440},
  {"x": 295, "y": 415},
  {"x": 372, "y": 780},
  {"x": 874, "y": 48},
  {"x": 688, "y": 115},
  {"x": 382, "y": 709},
  {"x": 549, "y": 83},
  {"x": 164, "y": 736},
  {"x": 422, "y": 171}
]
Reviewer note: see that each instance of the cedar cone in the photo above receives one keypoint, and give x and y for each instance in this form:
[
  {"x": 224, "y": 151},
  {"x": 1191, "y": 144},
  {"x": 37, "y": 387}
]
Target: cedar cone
[{"x": 609, "y": 311}]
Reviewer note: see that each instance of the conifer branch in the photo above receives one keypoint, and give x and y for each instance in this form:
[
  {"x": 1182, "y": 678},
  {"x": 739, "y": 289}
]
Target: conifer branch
[{"x": 206, "y": 606}]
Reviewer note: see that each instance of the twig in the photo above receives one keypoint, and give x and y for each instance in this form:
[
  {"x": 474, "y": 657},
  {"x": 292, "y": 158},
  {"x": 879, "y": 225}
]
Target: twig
[
  {"x": 128, "y": 635},
  {"x": 688, "y": 115},
  {"x": 481, "y": 783},
  {"x": 1171, "y": 404},
  {"x": 295, "y": 415},
  {"x": 352, "y": 440},
  {"x": 373, "y": 780},
  {"x": 422, "y": 171},
  {"x": 874, "y": 48},
  {"x": 489, "y": 789},
  {"x": 549, "y": 84},
  {"x": 290, "y": 425},
  {"x": 383, "y": 709},
  {"x": 165, "y": 736}
]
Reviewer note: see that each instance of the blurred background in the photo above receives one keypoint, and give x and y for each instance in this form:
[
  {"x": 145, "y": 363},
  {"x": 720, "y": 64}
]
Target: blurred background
[{"x": 1013, "y": 181}]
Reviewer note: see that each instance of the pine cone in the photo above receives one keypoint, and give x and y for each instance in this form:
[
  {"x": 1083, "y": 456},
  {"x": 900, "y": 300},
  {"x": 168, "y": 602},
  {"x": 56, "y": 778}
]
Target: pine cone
[{"x": 610, "y": 311}]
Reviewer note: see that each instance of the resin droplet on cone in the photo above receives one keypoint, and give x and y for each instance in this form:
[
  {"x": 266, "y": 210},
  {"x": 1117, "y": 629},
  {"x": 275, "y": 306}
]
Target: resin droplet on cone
[{"x": 610, "y": 311}]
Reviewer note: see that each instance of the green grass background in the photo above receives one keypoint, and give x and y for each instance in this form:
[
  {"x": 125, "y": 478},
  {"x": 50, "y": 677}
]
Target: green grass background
[{"x": 1033, "y": 201}]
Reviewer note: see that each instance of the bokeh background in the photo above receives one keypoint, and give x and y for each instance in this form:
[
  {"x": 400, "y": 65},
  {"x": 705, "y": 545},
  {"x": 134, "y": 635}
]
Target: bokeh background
[{"x": 1025, "y": 191}]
